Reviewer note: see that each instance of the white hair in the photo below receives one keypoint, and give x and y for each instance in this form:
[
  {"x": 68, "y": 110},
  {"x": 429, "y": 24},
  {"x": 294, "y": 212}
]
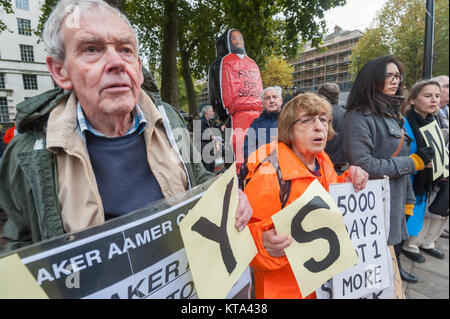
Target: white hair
[
  {"x": 206, "y": 108},
  {"x": 53, "y": 40},
  {"x": 276, "y": 88},
  {"x": 441, "y": 79}
]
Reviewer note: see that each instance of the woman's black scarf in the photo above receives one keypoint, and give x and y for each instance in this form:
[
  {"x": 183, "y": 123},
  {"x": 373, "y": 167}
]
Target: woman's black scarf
[
  {"x": 390, "y": 106},
  {"x": 422, "y": 180}
]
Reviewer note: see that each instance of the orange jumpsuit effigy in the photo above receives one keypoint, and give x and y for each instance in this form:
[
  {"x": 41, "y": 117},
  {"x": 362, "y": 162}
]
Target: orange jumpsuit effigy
[{"x": 235, "y": 86}]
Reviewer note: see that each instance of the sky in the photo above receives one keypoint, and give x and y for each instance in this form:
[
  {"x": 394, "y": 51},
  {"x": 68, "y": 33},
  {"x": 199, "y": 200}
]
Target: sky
[{"x": 357, "y": 14}]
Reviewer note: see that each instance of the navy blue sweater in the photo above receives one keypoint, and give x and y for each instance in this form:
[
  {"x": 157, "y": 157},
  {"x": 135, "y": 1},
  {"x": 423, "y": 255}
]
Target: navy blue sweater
[{"x": 124, "y": 178}]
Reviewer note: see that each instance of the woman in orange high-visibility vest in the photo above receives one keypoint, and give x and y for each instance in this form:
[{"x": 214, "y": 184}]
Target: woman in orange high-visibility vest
[{"x": 298, "y": 157}]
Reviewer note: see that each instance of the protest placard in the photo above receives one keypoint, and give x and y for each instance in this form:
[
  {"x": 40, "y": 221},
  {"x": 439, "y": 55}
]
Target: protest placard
[
  {"x": 137, "y": 256},
  {"x": 321, "y": 247},
  {"x": 363, "y": 214},
  {"x": 16, "y": 280},
  {"x": 218, "y": 253},
  {"x": 433, "y": 138}
]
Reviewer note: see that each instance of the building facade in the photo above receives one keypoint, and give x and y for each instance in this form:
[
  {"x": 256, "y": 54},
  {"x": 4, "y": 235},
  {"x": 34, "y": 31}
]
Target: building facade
[
  {"x": 23, "y": 71},
  {"x": 329, "y": 63}
]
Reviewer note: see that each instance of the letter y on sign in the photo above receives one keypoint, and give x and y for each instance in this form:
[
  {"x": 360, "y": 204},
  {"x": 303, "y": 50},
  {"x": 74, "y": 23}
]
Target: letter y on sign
[
  {"x": 218, "y": 254},
  {"x": 219, "y": 234}
]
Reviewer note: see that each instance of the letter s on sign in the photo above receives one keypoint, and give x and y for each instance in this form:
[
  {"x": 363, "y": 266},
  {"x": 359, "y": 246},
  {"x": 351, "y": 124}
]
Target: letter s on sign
[{"x": 302, "y": 236}]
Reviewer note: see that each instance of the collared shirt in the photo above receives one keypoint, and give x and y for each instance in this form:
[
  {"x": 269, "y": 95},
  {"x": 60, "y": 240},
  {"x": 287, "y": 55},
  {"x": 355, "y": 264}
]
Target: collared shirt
[{"x": 138, "y": 124}]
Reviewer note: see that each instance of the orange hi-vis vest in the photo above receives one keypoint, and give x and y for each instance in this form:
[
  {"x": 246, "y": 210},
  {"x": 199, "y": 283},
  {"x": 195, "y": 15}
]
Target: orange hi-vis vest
[{"x": 274, "y": 278}]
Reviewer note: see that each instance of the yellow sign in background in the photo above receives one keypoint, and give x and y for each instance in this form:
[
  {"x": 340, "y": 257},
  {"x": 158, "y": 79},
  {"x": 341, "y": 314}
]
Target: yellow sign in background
[
  {"x": 434, "y": 138},
  {"x": 217, "y": 252},
  {"x": 321, "y": 247}
]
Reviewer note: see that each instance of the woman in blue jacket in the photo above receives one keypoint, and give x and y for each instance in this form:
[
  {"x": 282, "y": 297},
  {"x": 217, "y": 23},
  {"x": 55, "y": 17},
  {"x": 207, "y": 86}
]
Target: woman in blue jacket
[{"x": 419, "y": 109}]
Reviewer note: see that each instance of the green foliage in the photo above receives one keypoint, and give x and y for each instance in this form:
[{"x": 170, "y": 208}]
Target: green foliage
[
  {"x": 269, "y": 27},
  {"x": 276, "y": 71},
  {"x": 148, "y": 17},
  {"x": 441, "y": 40},
  {"x": 6, "y": 7},
  {"x": 370, "y": 45},
  {"x": 46, "y": 10},
  {"x": 399, "y": 29},
  {"x": 277, "y": 26}
]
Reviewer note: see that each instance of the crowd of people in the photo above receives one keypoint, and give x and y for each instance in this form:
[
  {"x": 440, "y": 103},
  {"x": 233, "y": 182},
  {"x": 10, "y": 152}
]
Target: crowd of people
[{"x": 54, "y": 179}]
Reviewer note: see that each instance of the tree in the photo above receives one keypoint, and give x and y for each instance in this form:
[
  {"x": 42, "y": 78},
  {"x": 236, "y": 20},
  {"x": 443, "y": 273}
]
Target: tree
[
  {"x": 157, "y": 25},
  {"x": 269, "y": 27},
  {"x": 278, "y": 26},
  {"x": 276, "y": 71},
  {"x": 399, "y": 29},
  {"x": 441, "y": 40},
  {"x": 169, "y": 79},
  {"x": 370, "y": 45},
  {"x": 6, "y": 7},
  {"x": 199, "y": 25}
]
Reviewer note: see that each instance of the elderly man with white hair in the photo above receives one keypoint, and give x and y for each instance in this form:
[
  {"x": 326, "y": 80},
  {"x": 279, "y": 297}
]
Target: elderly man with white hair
[
  {"x": 99, "y": 149},
  {"x": 263, "y": 129}
]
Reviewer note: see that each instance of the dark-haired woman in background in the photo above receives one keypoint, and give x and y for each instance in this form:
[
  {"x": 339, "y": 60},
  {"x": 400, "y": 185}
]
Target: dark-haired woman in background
[{"x": 374, "y": 139}]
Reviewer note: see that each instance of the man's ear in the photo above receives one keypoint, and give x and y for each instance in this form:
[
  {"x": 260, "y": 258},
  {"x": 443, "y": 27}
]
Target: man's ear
[{"x": 59, "y": 73}]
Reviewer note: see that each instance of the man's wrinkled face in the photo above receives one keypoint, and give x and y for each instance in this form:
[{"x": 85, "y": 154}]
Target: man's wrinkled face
[
  {"x": 102, "y": 64},
  {"x": 272, "y": 101}
]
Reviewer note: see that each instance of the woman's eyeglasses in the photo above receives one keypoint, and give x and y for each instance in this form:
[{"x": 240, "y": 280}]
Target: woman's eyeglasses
[
  {"x": 309, "y": 120},
  {"x": 390, "y": 77}
]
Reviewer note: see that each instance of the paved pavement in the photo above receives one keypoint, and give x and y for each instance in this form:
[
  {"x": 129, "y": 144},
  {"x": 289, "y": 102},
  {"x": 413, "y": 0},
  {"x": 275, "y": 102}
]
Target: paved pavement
[{"x": 432, "y": 274}]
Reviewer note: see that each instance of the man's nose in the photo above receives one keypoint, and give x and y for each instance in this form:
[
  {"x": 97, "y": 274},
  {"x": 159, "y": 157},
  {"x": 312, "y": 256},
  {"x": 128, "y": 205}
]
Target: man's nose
[{"x": 114, "y": 62}]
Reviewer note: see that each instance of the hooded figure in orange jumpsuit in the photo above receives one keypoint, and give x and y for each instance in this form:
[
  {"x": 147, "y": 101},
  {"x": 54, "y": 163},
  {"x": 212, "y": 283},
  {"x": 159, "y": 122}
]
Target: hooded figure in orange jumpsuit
[
  {"x": 235, "y": 86},
  {"x": 278, "y": 174}
]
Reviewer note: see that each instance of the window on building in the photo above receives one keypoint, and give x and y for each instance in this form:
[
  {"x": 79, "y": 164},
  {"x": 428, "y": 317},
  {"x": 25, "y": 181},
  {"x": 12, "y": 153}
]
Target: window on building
[
  {"x": 4, "y": 113},
  {"x": 2, "y": 81},
  {"x": 23, "y": 5},
  {"x": 24, "y": 26},
  {"x": 26, "y": 53},
  {"x": 30, "y": 82}
]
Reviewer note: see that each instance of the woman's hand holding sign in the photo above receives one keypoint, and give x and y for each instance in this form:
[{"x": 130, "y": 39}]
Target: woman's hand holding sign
[
  {"x": 358, "y": 177},
  {"x": 274, "y": 243},
  {"x": 244, "y": 211}
]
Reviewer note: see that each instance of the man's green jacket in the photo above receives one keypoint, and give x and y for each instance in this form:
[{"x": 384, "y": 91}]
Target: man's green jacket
[{"x": 28, "y": 172}]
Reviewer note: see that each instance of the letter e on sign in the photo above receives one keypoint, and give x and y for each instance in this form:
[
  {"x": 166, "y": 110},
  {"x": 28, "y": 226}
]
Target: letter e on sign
[
  {"x": 322, "y": 247},
  {"x": 218, "y": 254}
]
